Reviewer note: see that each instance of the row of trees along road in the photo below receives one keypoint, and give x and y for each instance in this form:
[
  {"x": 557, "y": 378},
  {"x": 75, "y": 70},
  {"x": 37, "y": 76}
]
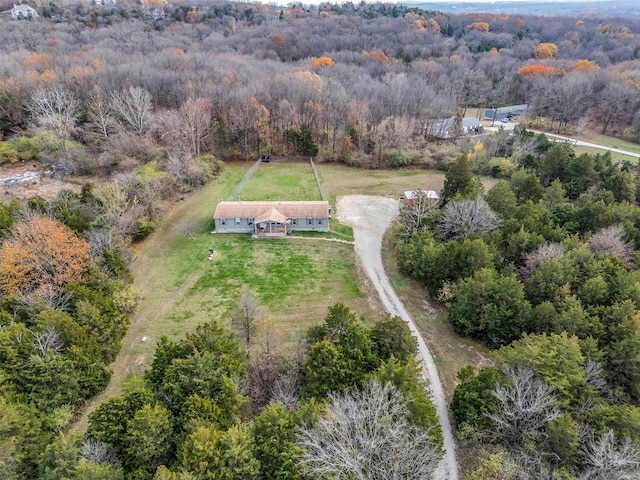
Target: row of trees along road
[
  {"x": 117, "y": 88},
  {"x": 543, "y": 269}
]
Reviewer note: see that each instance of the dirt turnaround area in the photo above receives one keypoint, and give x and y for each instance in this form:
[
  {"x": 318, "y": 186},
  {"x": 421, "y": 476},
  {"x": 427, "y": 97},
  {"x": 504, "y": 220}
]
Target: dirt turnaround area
[{"x": 370, "y": 216}]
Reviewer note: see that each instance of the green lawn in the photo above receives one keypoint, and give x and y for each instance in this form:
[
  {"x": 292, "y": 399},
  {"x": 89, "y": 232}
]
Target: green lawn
[
  {"x": 341, "y": 180},
  {"x": 294, "y": 280},
  {"x": 607, "y": 141},
  {"x": 280, "y": 181},
  {"x": 615, "y": 157}
]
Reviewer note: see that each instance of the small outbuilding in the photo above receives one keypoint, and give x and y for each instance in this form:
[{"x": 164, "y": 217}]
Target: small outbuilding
[
  {"x": 23, "y": 12},
  {"x": 412, "y": 195},
  {"x": 471, "y": 126},
  {"x": 271, "y": 219}
]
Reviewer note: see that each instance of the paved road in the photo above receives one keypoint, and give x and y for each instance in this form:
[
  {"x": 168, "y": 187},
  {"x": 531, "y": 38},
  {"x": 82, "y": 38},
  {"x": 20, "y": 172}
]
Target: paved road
[
  {"x": 552, "y": 136},
  {"x": 370, "y": 217}
]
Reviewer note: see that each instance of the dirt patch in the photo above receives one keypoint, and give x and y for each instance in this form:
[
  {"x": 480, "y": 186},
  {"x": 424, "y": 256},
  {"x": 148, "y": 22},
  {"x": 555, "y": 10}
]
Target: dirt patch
[{"x": 34, "y": 182}]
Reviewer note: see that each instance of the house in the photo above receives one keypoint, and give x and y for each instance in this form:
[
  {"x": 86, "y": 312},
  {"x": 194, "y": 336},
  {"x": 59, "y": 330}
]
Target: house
[
  {"x": 106, "y": 2},
  {"x": 22, "y": 12},
  {"x": 505, "y": 112},
  {"x": 271, "y": 219},
  {"x": 411, "y": 195}
]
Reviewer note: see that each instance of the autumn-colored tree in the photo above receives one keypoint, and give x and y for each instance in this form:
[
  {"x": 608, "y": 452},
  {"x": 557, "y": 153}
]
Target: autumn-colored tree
[
  {"x": 249, "y": 114},
  {"x": 323, "y": 62},
  {"x": 41, "y": 256},
  {"x": 546, "y": 50},
  {"x": 479, "y": 26},
  {"x": 279, "y": 41},
  {"x": 586, "y": 66},
  {"x": 38, "y": 61},
  {"x": 492, "y": 53},
  {"x": 310, "y": 79},
  {"x": 377, "y": 56},
  {"x": 536, "y": 70}
]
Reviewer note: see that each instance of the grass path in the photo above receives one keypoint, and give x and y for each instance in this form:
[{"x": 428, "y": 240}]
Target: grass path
[{"x": 153, "y": 304}]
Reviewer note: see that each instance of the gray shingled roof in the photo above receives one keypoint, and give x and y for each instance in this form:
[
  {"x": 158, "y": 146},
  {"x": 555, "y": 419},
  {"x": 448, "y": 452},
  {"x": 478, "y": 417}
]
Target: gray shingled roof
[{"x": 297, "y": 209}]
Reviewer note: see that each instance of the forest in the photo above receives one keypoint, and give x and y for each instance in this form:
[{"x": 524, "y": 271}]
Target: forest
[
  {"x": 149, "y": 100},
  {"x": 542, "y": 269}
]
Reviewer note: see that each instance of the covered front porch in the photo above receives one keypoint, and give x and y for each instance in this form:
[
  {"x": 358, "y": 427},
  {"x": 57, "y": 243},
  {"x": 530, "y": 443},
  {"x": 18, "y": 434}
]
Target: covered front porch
[{"x": 271, "y": 224}]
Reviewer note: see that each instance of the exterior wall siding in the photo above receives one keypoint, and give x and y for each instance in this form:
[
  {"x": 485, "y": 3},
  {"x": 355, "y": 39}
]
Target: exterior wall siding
[
  {"x": 231, "y": 226},
  {"x": 303, "y": 226},
  {"x": 297, "y": 224}
]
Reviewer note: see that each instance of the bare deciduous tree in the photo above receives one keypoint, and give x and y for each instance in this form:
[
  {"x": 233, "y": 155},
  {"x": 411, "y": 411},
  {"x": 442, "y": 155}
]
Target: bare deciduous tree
[
  {"x": 186, "y": 169},
  {"x": 95, "y": 451},
  {"x": 100, "y": 113},
  {"x": 413, "y": 213},
  {"x": 246, "y": 315},
  {"x": 462, "y": 219},
  {"x": 56, "y": 109},
  {"x": 594, "y": 375},
  {"x": 286, "y": 389},
  {"x": 196, "y": 115},
  {"x": 368, "y": 435},
  {"x": 133, "y": 106},
  {"x": 608, "y": 459},
  {"x": 611, "y": 241},
  {"x": 542, "y": 253},
  {"x": 524, "y": 407},
  {"x": 47, "y": 343},
  {"x": 100, "y": 240},
  {"x": 33, "y": 302}
]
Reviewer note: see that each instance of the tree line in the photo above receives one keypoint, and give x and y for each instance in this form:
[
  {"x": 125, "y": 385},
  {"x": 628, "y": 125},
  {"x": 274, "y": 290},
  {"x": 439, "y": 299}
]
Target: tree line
[{"x": 247, "y": 79}]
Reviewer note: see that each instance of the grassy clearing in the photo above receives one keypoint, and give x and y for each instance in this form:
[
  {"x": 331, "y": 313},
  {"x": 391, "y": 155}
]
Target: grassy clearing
[
  {"x": 278, "y": 181},
  {"x": 607, "y": 141},
  {"x": 615, "y": 157},
  {"x": 340, "y": 180}
]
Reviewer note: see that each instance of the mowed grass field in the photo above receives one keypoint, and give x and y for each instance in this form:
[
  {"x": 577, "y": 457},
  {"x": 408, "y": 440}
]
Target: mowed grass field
[
  {"x": 280, "y": 181},
  {"x": 615, "y": 157}
]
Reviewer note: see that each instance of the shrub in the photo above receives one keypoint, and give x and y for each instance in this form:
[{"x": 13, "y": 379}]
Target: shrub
[{"x": 8, "y": 153}]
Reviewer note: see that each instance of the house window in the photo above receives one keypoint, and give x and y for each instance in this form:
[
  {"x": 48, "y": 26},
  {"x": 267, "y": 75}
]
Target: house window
[
  {"x": 319, "y": 221},
  {"x": 294, "y": 221},
  {"x": 238, "y": 221},
  {"x": 250, "y": 221},
  {"x": 309, "y": 221},
  {"x": 223, "y": 222}
]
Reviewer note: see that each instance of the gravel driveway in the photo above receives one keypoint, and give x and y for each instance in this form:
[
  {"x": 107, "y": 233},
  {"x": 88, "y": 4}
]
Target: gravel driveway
[{"x": 370, "y": 217}]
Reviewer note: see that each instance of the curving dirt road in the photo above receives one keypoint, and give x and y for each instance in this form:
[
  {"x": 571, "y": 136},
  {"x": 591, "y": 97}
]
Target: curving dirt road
[{"x": 370, "y": 217}]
